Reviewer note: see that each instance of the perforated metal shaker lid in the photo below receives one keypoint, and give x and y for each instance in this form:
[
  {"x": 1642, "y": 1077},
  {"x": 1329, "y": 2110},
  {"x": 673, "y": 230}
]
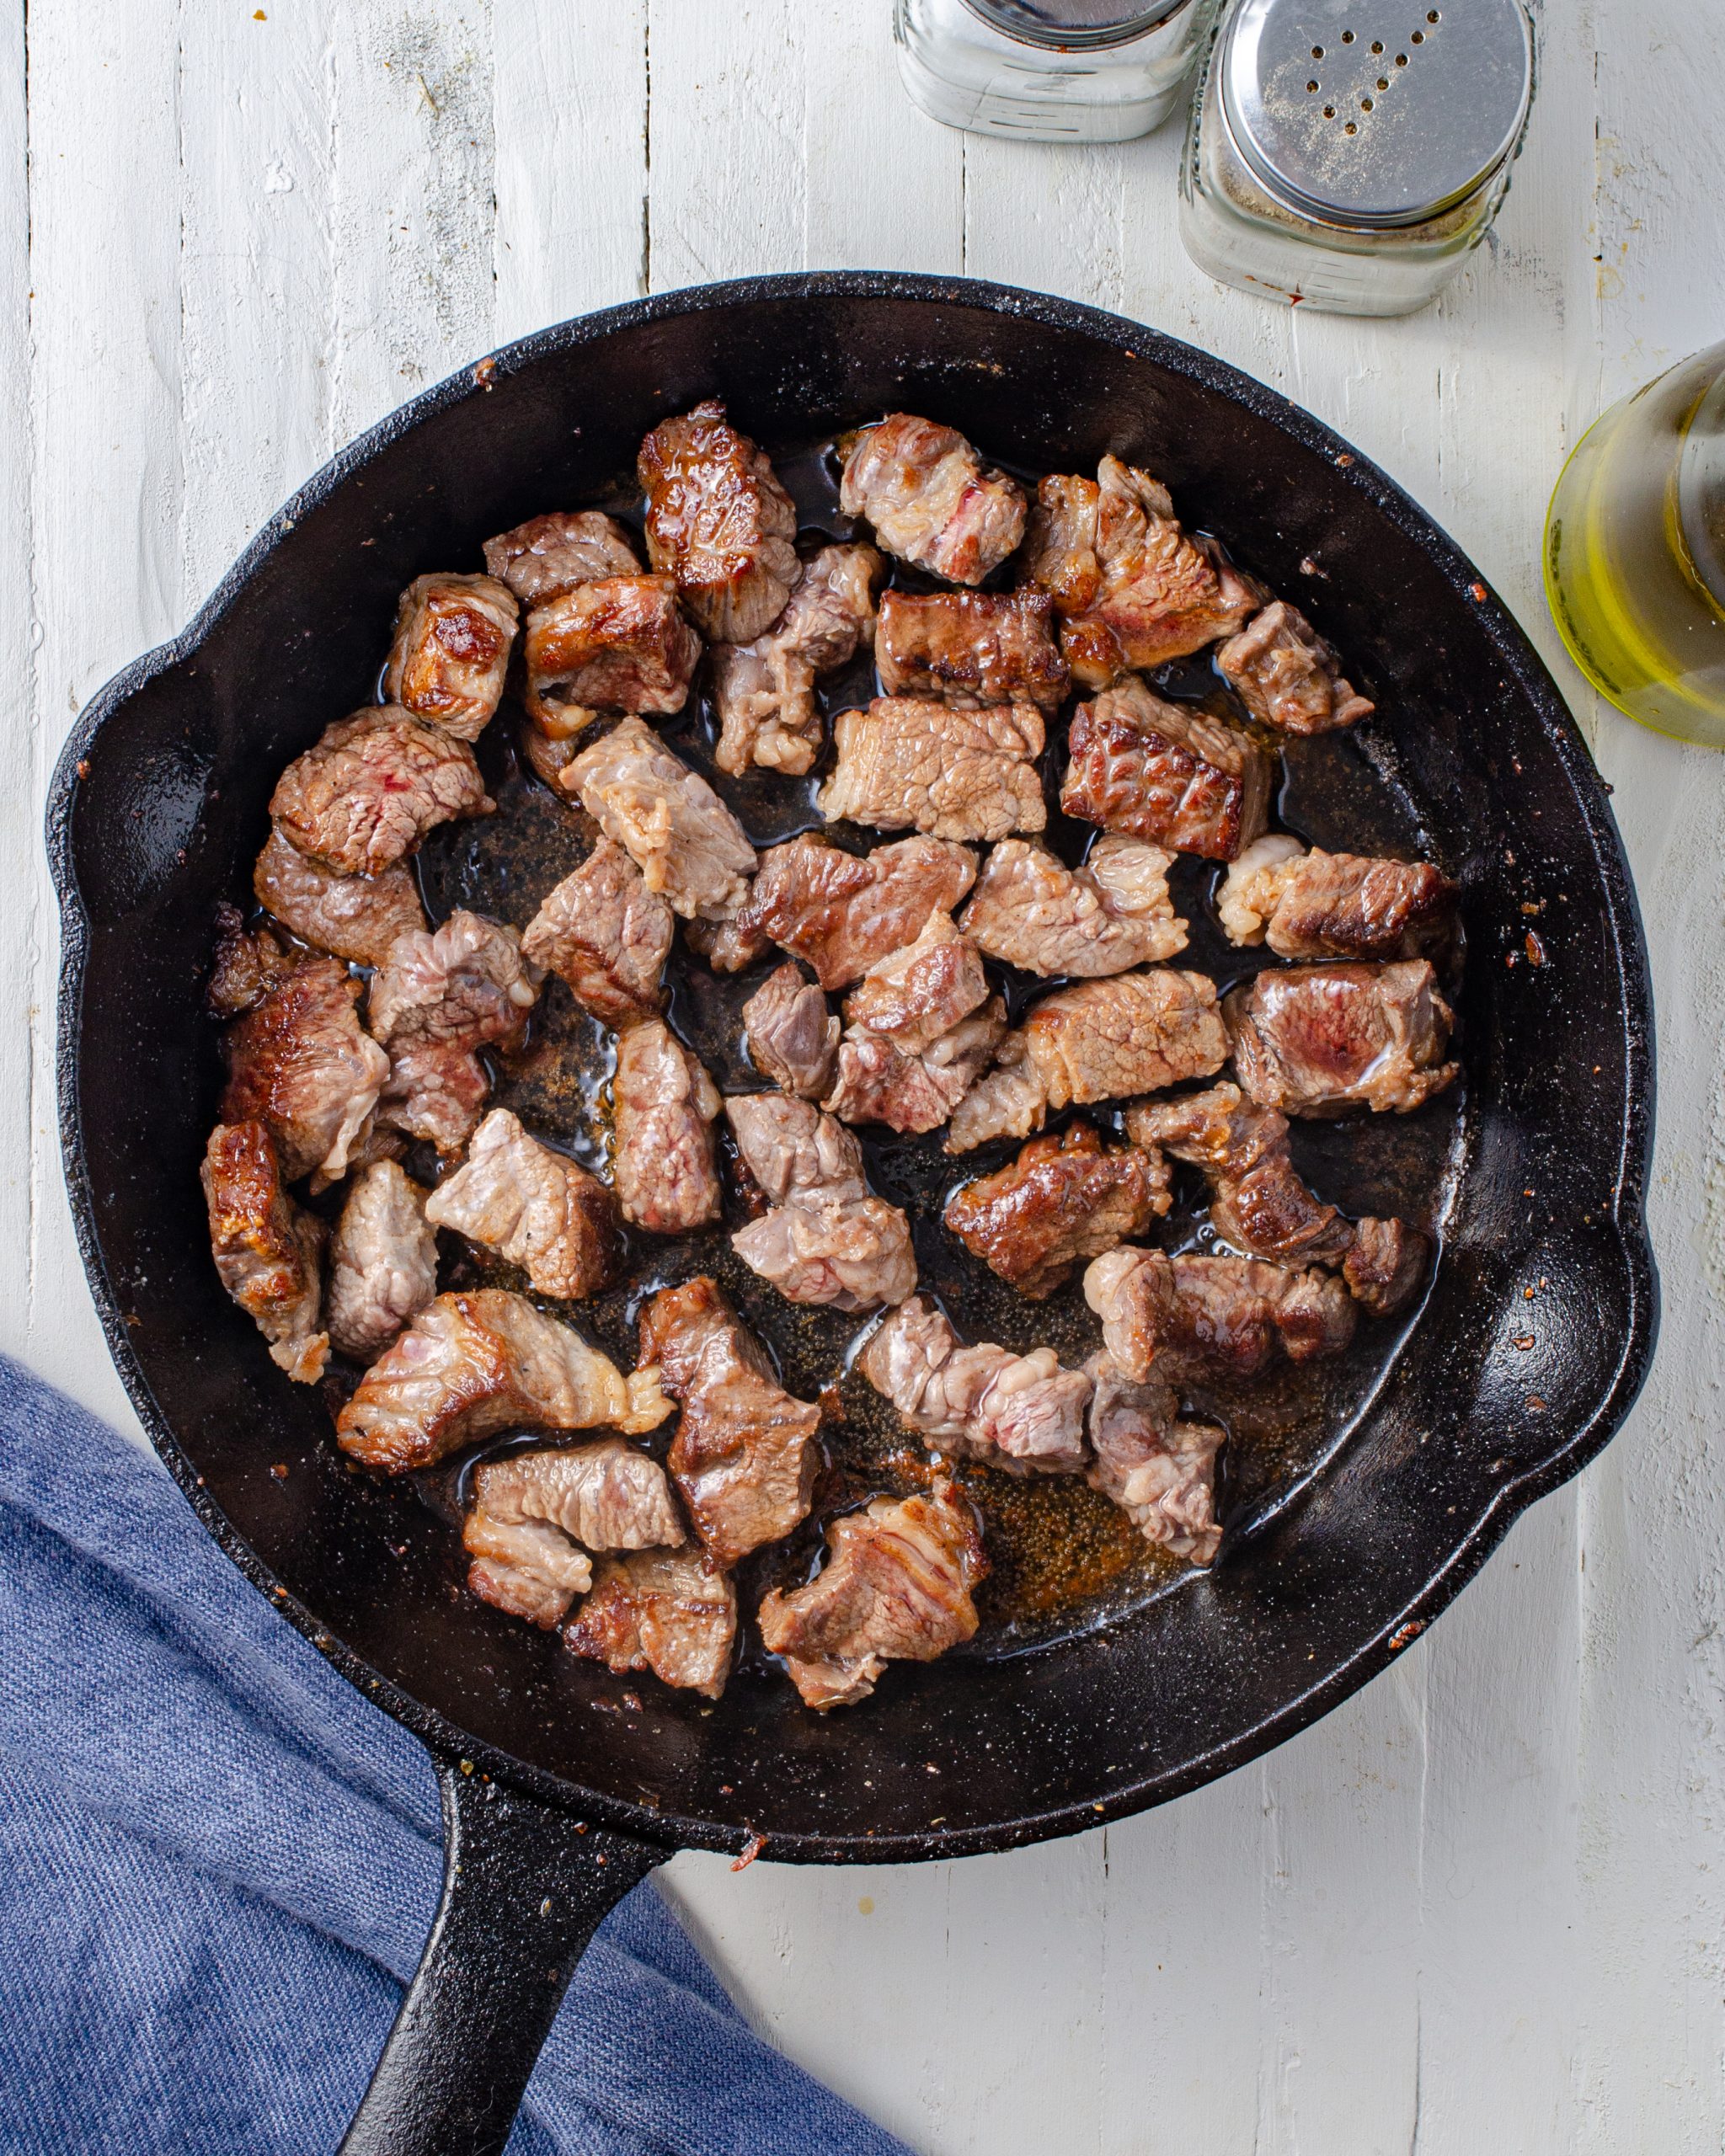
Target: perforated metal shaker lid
[
  {"x": 1376, "y": 112},
  {"x": 1077, "y": 24}
]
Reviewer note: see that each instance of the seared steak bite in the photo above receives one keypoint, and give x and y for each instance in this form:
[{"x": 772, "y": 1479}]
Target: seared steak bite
[
  {"x": 383, "y": 1261},
  {"x": 249, "y": 963},
  {"x": 1062, "y": 1200},
  {"x": 826, "y": 1238},
  {"x": 906, "y": 765},
  {"x": 671, "y": 1611},
  {"x": 666, "y": 1168},
  {"x": 765, "y": 690},
  {"x": 535, "y": 1515},
  {"x": 930, "y": 498},
  {"x": 791, "y": 1040},
  {"x": 895, "y": 1587},
  {"x": 373, "y": 787},
  {"x": 1197, "y": 1318},
  {"x": 607, "y": 936},
  {"x": 1166, "y": 772},
  {"x": 718, "y": 522},
  {"x": 1260, "y": 1204},
  {"x": 971, "y": 647},
  {"x": 435, "y": 1091},
  {"x": 266, "y": 1250},
  {"x": 917, "y": 1034},
  {"x": 547, "y": 556},
  {"x": 1288, "y": 677},
  {"x": 1318, "y": 1040},
  {"x": 1030, "y": 910},
  {"x": 451, "y": 652},
  {"x": 1021, "y": 1412},
  {"x": 1334, "y": 905},
  {"x": 300, "y": 1062},
  {"x": 537, "y": 1209},
  {"x": 744, "y": 1456},
  {"x": 465, "y": 983},
  {"x": 352, "y": 917},
  {"x": 619, "y": 643},
  {"x": 1132, "y": 590},
  {"x": 1132, "y": 1034},
  {"x": 679, "y": 834},
  {"x": 1161, "y": 1472},
  {"x": 1006, "y": 1101},
  {"x": 473, "y": 1364},
  {"x": 841, "y": 913}
]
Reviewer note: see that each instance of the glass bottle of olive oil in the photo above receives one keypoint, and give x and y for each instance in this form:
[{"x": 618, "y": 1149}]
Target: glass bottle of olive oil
[{"x": 1635, "y": 552}]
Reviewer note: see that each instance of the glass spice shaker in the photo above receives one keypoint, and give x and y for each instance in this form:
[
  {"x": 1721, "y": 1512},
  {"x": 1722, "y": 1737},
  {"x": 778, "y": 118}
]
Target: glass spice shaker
[
  {"x": 1349, "y": 154},
  {"x": 1050, "y": 71}
]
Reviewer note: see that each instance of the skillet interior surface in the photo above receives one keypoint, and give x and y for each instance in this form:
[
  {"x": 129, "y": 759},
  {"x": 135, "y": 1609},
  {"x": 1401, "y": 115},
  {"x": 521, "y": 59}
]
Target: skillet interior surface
[{"x": 1534, "y": 1174}]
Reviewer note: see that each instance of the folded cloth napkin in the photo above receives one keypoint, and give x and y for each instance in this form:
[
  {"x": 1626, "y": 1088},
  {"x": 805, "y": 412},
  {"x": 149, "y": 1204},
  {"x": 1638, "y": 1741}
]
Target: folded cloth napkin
[{"x": 218, "y": 1865}]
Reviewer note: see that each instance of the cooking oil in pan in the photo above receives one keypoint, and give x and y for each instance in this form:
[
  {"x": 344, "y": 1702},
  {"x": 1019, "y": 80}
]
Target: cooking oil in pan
[{"x": 1635, "y": 553}]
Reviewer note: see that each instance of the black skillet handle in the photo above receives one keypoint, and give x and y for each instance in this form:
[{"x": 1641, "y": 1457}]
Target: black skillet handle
[{"x": 524, "y": 1890}]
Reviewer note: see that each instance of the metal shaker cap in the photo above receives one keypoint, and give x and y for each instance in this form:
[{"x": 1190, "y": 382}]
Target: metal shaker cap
[
  {"x": 1375, "y": 113},
  {"x": 1075, "y": 24}
]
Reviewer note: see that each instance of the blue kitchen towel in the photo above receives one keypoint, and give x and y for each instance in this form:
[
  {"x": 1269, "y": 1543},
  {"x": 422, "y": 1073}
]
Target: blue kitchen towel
[{"x": 218, "y": 1864}]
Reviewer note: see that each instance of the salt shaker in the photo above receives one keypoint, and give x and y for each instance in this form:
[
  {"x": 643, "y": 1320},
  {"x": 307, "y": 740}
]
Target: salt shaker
[
  {"x": 1052, "y": 70},
  {"x": 1349, "y": 154}
]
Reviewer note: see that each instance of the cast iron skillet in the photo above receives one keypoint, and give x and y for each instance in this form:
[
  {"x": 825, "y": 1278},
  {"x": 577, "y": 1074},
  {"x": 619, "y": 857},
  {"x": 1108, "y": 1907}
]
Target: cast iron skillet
[{"x": 554, "y": 1802}]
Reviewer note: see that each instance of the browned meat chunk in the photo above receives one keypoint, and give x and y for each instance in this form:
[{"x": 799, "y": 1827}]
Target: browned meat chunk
[
  {"x": 1030, "y": 910},
  {"x": 1198, "y": 1318},
  {"x": 895, "y": 1587},
  {"x": 1132, "y": 588},
  {"x": 301, "y": 1063},
  {"x": 719, "y": 522},
  {"x": 535, "y": 1515},
  {"x": 473, "y": 1365},
  {"x": 913, "y": 1048},
  {"x": 827, "y": 1239},
  {"x": 1021, "y": 1412},
  {"x": 267, "y": 1250},
  {"x": 383, "y": 1261},
  {"x": 1133, "y": 1033},
  {"x": 931, "y": 500},
  {"x": 1317, "y": 1040},
  {"x": 547, "y": 556},
  {"x": 1161, "y": 1471},
  {"x": 842, "y": 912},
  {"x": 971, "y": 647},
  {"x": 790, "y": 1038},
  {"x": 537, "y": 1209},
  {"x": 437, "y": 1092},
  {"x": 665, "y": 1166},
  {"x": 673, "y": 1612},
  {"x": 1261, "y": 1205},
  {"x": 744, "y": 1455},
  {"x": 1288, "y": 677},
  {"x": 905, "y": 765},
  {"x": 1062, "y": 1200},
  {"x": 1005, "y": 1102},
  {"x": 465, "y": 984},
  {"x": 1166, "y": 772},
  {"x": 618, "y": 644},
  {"x": 1335, "y": 905},
  {"x": 607, "y": 936},
  {"x": 764, "y": 691},
  {"x": 679, "y": 834},
  {"x": 352, "y": 917},
  {"x": 372, "y": 787},
  {"x": 249, "y": 963},
  {"x": 451, "y": 652}
]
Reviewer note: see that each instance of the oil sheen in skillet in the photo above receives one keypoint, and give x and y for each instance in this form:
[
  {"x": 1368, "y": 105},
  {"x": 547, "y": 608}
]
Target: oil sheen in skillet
[{"x": 1065, "y": 1559}]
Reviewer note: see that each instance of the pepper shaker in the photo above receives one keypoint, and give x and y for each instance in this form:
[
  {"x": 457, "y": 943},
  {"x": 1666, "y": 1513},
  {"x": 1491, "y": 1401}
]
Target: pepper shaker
[
  {"x": 1350, "y": 154},
  {"x": 1050, "y": 71}
]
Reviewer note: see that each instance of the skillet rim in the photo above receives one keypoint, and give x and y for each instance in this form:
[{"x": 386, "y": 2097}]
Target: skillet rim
[{"x": 443, "y": 1738}]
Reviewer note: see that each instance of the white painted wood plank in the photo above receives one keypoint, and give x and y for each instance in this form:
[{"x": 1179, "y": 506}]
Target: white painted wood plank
[{"x": 569, "y": 99}]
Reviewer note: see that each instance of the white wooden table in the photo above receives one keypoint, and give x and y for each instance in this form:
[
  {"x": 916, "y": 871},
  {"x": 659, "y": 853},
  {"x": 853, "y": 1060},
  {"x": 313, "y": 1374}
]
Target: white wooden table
[{"x": 1482, "y": 1907}]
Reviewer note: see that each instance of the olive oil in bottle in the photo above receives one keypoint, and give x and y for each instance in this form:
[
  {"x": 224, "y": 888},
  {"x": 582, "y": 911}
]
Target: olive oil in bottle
[{"x": 1635, "y": 553}]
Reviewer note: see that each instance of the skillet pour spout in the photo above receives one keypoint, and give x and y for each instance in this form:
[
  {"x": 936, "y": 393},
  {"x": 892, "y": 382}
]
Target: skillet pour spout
[{"x": 1489, "y": 1400}]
